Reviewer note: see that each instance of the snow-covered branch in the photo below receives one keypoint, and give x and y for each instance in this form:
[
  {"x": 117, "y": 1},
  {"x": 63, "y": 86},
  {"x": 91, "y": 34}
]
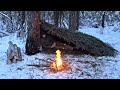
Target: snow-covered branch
[{"x": 8, "y": 18}]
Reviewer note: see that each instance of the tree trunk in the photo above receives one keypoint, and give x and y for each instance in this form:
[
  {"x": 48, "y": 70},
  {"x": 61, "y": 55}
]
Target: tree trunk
[
  {"x": 60, "y": 17},
  {"x": 33, "y": 38},
  {"x": 72, "y": 20},
  {"x": 21, "y": 19},
  {"x": 103, "y": 23},
  {"x": 77, "y": 17},
  {"x": 56, "y": 18},
  {"x": 43, "y": 15},
  {"x": 103, "y": 20}
]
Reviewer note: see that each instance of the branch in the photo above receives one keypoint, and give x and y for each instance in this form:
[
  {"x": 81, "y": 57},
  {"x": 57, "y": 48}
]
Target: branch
[
  {"x": 4, "y": 33},
  {"x": 42, "y": 65},
  {"x": 8, "y": 18}
]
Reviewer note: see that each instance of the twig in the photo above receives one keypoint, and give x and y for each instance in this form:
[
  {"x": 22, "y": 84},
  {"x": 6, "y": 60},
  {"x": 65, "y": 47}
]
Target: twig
[
  {"x": 56, "y": 67},
  {"x": 4, "y": 33}
]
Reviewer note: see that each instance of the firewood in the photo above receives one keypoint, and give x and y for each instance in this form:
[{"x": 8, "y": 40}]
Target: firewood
[
  {"x": 53, "y": 45},
  {"x": 17, "y": 52},
  {"x": 60, "y": 45},
  {"x": 40, "y": 48},
  {"x": 68, "y": 47},
  {"x": 13, "y": 53},
  {"x": 10, "y": 53}
]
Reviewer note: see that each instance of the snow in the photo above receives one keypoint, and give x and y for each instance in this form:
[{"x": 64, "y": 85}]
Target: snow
[
  {"x": 82, "y": 66},
  {"x": 5, "y": 16}
]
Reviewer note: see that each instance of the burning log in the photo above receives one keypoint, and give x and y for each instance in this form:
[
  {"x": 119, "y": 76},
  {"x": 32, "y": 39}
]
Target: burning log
[{"x": 13, "y": 53}]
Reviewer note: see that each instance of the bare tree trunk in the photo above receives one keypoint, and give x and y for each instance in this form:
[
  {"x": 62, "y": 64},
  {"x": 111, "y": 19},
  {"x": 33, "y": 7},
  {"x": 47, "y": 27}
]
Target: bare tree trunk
[
  {"x": 33, "y": 39},
  {"x": 21, "y": 20},
  {"x": 43, "y": 15},
  {"x": 56, "y": 18},
  {"x": 103, "y": 20},
  {"x": 103, "y": 23},
  {"x": 60, "y": 17},
  {"x": 72, "y": 20},
  {"x": 77, "y": 26}
]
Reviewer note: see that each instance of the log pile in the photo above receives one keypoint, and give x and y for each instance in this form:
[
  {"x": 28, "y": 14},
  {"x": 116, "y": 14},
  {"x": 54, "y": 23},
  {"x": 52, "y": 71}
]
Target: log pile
[{"x": 13, "y": 53}]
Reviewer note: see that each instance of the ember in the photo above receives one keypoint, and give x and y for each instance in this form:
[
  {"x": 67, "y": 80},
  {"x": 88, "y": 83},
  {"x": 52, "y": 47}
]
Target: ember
[{"x": 58, "y": 65}]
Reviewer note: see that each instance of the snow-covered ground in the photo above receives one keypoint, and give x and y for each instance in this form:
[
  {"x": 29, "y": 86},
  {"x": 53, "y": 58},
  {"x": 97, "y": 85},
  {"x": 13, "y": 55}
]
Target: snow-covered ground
[{"x": 82, "y": 66}]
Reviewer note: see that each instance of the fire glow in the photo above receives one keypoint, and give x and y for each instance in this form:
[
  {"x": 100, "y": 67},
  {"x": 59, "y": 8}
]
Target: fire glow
[{"x": 58, "y": 65}]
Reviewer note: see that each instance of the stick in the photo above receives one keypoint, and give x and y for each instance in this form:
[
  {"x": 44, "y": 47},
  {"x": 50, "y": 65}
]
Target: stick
[
  {"x": 4, "y": 33},
  {"x": 37, "y": 65}
]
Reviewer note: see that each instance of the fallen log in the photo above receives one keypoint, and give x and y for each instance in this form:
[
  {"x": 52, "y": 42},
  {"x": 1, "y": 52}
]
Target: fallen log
[{"x": 53, "y": 38}]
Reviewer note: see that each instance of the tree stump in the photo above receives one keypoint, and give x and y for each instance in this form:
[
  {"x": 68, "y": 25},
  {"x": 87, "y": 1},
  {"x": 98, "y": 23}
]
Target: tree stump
[{"x": 13, "y": 53}]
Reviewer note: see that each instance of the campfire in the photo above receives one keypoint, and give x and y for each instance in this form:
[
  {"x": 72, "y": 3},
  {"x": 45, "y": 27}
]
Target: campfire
[{"x": 58, "y": 64}]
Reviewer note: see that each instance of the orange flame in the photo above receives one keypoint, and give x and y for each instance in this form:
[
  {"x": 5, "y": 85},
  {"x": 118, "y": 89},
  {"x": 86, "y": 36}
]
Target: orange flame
[
  {"x": 58, "y": 64},
  {"x": 58, "y": 59}
]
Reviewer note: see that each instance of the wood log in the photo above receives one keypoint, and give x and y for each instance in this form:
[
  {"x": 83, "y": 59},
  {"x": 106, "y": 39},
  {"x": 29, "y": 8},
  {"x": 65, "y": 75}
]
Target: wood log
[
  {"x": 60, "y": 45},
  {"x": 17, "y": 51},
  {"x": 10, "y": 52},
  {"x": 13, "y": 53},
  {"x": 68, "y": 47},
  {"x": 53, "y": 45}
]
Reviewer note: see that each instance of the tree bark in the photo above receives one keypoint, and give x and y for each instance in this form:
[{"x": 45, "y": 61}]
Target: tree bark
[
  {"x": 33, "y": 39},
  {"x": 60, "y": 17},
  {"x": 56, "y": 18},
  {"x": 103, "y": 20},
  {"x": 103, "y": 23},
  {"x": 21, "y": 19},
  {"x": 77, "y": 17},
  {"x": 72, "y": 20}
]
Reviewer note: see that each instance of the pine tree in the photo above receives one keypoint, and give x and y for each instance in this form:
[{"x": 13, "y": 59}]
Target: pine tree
[
  {"x": 72, "y": 20},
  {"x": 33, "y": 39}
]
